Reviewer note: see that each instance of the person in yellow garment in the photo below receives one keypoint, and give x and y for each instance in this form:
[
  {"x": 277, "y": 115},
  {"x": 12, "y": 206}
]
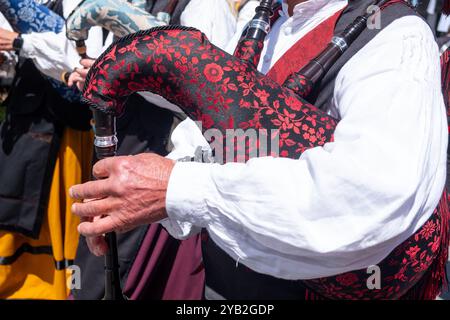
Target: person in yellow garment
[
  {"x": 36, "y": 268},
  {"x": 45, "y": 147}
]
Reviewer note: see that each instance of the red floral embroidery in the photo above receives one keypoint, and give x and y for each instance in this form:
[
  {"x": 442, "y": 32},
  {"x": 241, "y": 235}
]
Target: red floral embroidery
[
  {"x": 400, "y": 271},
  {"x": 246, "y": 51},
  {"x": 428, "y": 229},
  {"x": 207, "y": 121},
  {"x": 294, "y": 103},
  {"x": 412, "y": 252},
  {"x": 299, "y": 84},
  {"x": 347, "y": 279},
  {"x": 213, "y": 72}
]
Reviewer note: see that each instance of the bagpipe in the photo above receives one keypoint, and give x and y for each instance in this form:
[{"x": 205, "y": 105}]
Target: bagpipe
[
  {"x": 27, "y": 16},
  {"x": 221, "y": 91},
  {"x": 117, "y": 16}
]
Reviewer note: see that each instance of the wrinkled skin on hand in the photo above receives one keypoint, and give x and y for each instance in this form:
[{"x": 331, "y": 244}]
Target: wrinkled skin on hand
[{"x": 130, "y": 191}]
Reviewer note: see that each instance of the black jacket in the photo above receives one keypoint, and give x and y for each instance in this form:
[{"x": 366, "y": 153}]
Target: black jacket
[{"x": 29, "y": 138}]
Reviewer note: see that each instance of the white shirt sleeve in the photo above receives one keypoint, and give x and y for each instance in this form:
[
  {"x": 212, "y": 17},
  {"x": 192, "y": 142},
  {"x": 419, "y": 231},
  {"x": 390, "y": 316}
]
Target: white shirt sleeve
[
  {"x": 213, "y": 17},
  {"x": 159, "y": 101},
  {"x": 347, "y": 205},
  {"x": 186, "y": 139},
  {"x": 53, "y": 54}
]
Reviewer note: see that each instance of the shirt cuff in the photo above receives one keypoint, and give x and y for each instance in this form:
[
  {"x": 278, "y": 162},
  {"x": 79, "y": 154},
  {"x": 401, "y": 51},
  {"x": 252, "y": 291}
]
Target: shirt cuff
[
  {"x": 189, "y": 185},
  {"x": 27, "y": 50}
]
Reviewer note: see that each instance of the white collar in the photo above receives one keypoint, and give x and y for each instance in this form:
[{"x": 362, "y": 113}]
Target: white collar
[{"x": 308, "y": 10}]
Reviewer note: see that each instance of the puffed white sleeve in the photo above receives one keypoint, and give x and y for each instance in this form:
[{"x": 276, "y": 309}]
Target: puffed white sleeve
[
  {"x": 213, "y": 17},
  {"x": 53, "y": 54}
]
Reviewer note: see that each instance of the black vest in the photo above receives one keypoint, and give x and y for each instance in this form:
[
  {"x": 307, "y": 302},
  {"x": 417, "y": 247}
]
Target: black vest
[
  {"x": 227, "y": 279},
  {"x": 29, "y": 137}
]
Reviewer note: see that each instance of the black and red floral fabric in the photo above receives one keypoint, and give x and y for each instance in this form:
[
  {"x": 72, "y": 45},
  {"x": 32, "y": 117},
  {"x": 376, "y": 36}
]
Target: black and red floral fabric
[
  {"x": 414, "y": 270},
  {"x": 211, "y": 86}
]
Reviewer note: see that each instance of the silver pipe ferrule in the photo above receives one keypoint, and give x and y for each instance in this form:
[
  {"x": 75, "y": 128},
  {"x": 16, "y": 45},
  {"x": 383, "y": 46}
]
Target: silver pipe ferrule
[
  {"x": 340, "y": 43},
  {"x": 260, "y": 24},
  {"x": 105, "y": 142}
]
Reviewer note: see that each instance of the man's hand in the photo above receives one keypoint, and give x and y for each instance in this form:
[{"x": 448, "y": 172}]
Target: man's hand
[
  {"x": 6, "y": 39},
  {"x": 78, "y": 77},
  {"x": 131, "y": 191}
]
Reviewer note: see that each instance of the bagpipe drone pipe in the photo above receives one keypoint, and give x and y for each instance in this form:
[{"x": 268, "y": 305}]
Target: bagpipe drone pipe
[{"x": 27, "y": 16}]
